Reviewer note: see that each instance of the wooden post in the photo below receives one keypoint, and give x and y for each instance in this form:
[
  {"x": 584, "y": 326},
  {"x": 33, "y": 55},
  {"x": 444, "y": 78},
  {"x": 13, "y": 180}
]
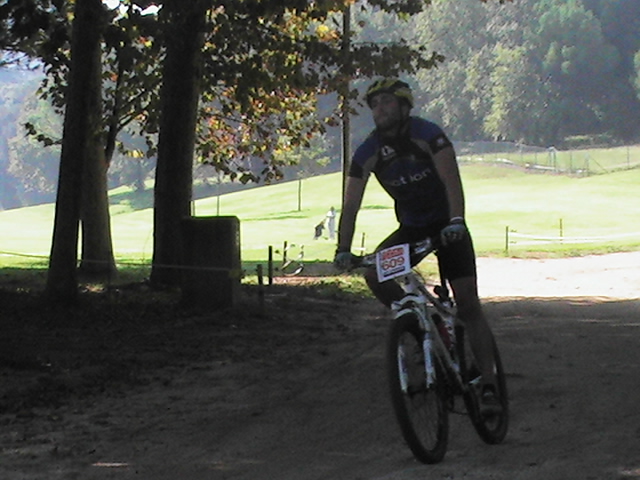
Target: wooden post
[
  {"x": 260, "y": 286},
  {"x": 506, "y": 240}
]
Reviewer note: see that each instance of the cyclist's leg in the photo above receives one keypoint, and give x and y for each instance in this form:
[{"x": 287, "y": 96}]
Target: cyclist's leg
[
  {"x": 458, "y": 265},
  {"x": 472, "y": 315},
  {"x": 387, "y": 292}
]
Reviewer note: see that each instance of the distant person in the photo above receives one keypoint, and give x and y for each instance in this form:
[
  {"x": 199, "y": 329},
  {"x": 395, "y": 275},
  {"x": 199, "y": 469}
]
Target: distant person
[
  {"x": 318, "y": 230},
  {"x": 331, "y": 223},
  {"x": 415, "y": 163}
]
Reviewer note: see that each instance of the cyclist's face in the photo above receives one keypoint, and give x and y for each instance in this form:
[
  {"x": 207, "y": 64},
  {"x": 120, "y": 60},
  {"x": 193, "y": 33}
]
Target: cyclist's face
[{"x": 387, "y": 111}]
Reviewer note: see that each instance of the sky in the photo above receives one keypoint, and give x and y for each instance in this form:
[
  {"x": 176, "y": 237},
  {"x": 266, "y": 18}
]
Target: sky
[{"x": 112, "y": 4}]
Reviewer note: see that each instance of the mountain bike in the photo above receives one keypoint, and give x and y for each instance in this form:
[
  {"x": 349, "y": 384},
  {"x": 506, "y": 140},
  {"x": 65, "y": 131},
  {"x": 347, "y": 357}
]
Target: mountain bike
[
  {"x": 291, "y": 267},
  {"x": 429, "y": 361}
]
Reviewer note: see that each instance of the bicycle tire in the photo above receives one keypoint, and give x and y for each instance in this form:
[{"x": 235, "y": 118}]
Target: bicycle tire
[
  {"x": 491, "y": 429},
  {"x": 287, "y": 272},
  {"x": 421, "y": 411}
]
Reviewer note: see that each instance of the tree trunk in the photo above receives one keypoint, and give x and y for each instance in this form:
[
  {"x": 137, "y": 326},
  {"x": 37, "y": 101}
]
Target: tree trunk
[
  {"x": 97, "y": 245},
  {"x": 182, "y": 74},
  {"x": 79, "y": 127}
]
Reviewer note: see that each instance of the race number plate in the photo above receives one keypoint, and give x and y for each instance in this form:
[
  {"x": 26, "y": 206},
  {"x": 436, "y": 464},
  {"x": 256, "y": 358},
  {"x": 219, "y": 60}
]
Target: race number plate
[{"x": 393, "y": 262}]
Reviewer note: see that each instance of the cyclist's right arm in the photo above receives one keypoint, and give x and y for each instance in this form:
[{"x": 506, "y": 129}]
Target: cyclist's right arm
[{"x": 354, "y": 191}]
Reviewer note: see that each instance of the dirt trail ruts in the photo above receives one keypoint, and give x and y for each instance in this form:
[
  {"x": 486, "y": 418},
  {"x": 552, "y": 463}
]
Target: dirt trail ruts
[{"x": 314, "y": 406}]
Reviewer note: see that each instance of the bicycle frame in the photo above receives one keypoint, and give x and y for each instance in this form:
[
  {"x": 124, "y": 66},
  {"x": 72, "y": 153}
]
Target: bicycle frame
[
  {"x": 419, "y": 300},
  {"x": 287, "y": 262},
  {"x": 420, "y": 305}
]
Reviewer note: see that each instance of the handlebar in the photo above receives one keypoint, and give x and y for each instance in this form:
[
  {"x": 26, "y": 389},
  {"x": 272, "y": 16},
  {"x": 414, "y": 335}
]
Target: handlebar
[{"x": 418, "y": 251}]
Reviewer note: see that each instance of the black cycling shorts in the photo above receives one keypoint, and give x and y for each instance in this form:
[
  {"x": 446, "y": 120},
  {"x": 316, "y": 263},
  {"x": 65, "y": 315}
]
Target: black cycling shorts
[{"x": 455, "y": 260}]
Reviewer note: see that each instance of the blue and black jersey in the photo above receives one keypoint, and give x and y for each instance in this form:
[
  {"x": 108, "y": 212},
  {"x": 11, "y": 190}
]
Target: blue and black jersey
[{"x": 405, "y": 169}]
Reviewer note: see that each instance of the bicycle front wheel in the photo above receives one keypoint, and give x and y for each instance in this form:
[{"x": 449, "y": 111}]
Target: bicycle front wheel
[
  {"x": 420, "y": 409},
  {"x": 291, "y": 268}
]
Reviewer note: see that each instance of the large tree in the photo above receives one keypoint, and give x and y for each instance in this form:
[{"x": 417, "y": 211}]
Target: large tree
[
  {"x": 128, "y": 89},
  {"x": 577, "y": 59},
  {"x": 80, "y": 136},
  {"x": 183, "y": 29},
  {"x": 42, "y": 31}
]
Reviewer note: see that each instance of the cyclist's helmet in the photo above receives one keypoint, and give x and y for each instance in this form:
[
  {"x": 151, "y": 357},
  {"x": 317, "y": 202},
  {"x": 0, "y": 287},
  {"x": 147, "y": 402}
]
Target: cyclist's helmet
[{"x": 393, "y": 86}]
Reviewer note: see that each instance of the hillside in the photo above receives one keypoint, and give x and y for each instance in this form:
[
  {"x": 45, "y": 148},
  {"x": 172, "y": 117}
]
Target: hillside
[{"x": 541, "y": 205}]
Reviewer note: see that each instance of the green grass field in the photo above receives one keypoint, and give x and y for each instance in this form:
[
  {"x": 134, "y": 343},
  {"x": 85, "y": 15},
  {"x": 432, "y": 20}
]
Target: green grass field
[{"x": 595, "y": 214}]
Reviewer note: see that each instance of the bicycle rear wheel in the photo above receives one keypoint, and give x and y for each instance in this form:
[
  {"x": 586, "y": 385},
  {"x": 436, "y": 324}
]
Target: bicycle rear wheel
[
  {"x": 492, "y": 429},
  {"x": 421, "y": 410}
]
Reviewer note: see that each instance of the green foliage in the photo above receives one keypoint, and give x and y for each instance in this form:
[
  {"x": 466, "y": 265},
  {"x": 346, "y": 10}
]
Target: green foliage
[
  {"x": 35, "y": 168},
  {"x": 636, "y": 77},
  {"x": 15, "y": 91},
  {"x": 265, "y": 63},
  {"x": 512, "y": 114},
  {"x": 261, "y": 90},
  {"x": 532, "y": 71}
]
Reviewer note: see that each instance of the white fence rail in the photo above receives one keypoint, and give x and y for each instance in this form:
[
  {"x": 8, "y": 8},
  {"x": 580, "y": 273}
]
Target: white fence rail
[{"x": 512, "y": 237}]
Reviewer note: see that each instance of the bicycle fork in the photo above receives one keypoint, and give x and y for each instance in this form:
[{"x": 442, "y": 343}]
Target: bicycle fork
[
  {"x": 429, "y": 368},
  {"x": 431, "y": 342},
  {"x": 409, "y": 304}
]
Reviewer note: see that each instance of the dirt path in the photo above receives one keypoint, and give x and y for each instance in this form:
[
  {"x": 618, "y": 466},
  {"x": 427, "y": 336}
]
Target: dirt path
[
  {"x": 309, "y": 402},
  {"x": 598, "y": 276}
]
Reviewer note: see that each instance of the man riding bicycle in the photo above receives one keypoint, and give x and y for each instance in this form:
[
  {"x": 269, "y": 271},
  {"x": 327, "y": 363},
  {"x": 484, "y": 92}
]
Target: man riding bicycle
[{"x": 415, "y": 163}]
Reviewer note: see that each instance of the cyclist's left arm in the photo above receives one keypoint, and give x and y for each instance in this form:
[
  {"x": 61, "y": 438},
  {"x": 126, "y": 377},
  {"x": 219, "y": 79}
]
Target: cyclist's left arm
[{"x": 447, "y": 168}]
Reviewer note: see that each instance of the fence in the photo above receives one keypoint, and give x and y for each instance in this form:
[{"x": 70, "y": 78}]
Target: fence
[
  {"x": 583, "y": 162},
  {"x": 512, "y": 238}
]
